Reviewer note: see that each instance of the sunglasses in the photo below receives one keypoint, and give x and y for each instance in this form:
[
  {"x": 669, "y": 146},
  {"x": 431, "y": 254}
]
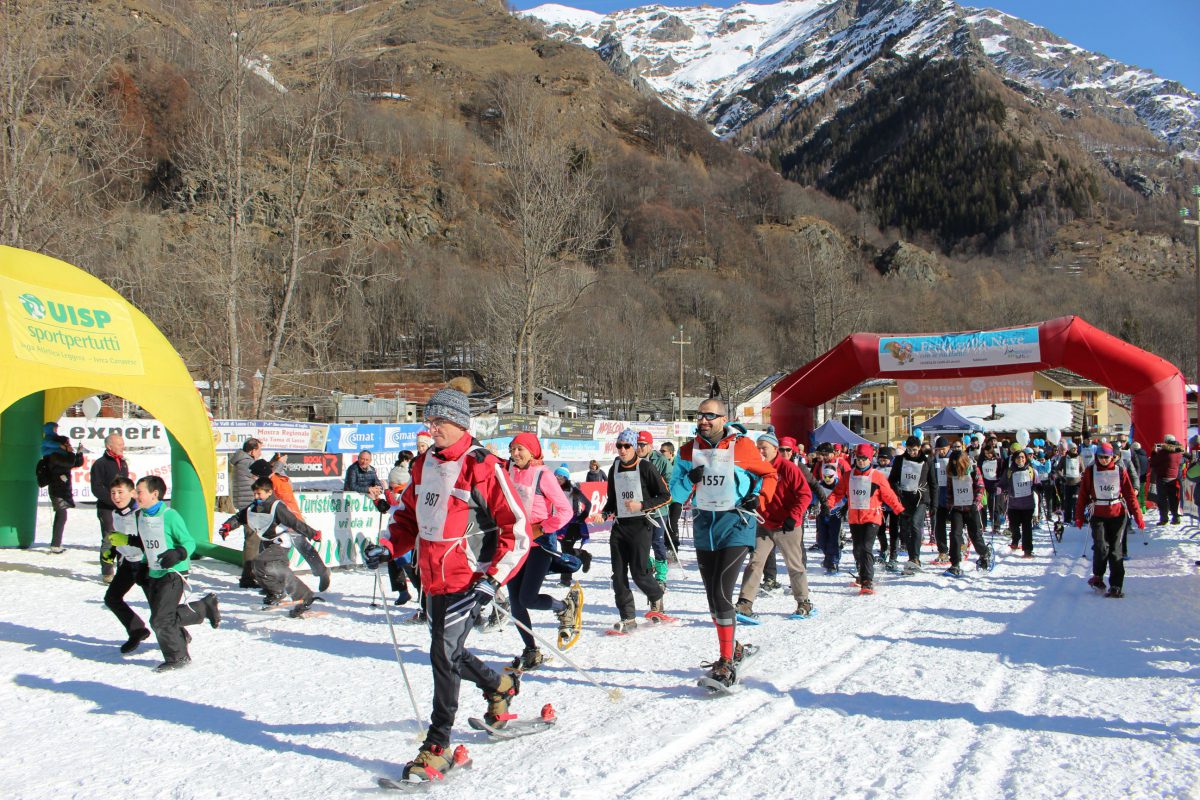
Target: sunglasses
[
  {"x": 708, "y": 415},
  {"x": 785, "y": 449},
  {"x": 624, "y": 447}
]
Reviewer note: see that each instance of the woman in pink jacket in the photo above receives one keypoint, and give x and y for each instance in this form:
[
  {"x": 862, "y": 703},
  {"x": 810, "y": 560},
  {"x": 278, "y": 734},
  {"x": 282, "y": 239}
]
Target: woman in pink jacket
[{"x": 548, "y": 509}]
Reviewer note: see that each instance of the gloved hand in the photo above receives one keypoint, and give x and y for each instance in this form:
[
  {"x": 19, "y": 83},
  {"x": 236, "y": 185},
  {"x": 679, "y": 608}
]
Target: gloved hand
[
  {"x": 696, "y": 474},
  {"x": 108, "y": 555},
  {"x": 750, "y": 504},
  {"x": 789, "y": 525},
  {"x": 171, "y": 557},
  {"x": 1079, "y": 522},
  {"x": 317, "y": 536},
  {"x": 117, "y": 540},
  {"x": 374, "y": 555},
  {"x": 1141, "y": 523},
  {"x": 224, "y": 531},
  {"x": 485, "y": 592}
]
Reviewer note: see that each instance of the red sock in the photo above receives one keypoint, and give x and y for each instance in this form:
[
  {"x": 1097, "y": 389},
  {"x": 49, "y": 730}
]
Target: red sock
[{"x": 725, "y": 637}]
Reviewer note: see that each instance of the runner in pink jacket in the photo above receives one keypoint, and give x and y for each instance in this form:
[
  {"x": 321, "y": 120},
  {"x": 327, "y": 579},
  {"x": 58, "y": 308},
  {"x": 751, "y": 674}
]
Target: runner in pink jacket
[{"x": 548, "y": 510}]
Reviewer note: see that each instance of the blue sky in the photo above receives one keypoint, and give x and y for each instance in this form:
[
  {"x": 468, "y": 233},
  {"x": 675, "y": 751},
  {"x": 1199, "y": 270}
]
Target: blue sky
[{"x": 1162, "y": 35}]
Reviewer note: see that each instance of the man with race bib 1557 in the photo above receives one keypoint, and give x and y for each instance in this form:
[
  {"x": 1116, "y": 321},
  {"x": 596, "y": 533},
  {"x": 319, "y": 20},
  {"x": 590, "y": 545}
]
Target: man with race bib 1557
[
  {"x": 463, "y": 515},
  {"x": 724, "y": 477}
]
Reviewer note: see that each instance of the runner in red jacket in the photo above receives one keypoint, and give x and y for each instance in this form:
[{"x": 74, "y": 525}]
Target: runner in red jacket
[
  {"x": 1109, "y": 490},
  {"x": 462, "y": 513},
  {"x": 867, "y": 489}
]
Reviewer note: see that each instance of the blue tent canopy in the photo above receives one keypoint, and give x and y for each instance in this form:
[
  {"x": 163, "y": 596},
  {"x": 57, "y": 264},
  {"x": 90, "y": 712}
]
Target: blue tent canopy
[
  {"x": 835, "y": 432},
  {"x": 949, "y": 421}
]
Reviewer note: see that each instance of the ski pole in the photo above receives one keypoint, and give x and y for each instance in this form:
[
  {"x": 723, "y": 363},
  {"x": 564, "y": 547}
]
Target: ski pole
[
  {"x": 614, "y": 694},
  {"x": 374, "y": 590},
  {"x": 399, "y": 660}
]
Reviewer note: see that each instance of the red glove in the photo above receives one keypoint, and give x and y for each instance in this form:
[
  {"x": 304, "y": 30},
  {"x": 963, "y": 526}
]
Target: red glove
[
  {"x": 1141, "y": 524},
  {"x": 317, "y": 536},
  {"x": 224, "y": 531},
  {"x": 1079, "y": 522}
]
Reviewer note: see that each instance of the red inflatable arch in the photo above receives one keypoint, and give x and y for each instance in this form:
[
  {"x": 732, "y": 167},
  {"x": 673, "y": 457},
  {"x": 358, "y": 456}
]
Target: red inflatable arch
[{"x": 1156, "y": 385}]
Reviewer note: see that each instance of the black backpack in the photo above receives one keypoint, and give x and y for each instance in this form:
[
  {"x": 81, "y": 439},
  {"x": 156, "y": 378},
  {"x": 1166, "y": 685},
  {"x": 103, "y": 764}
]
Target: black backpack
[{"x": 42, "y": 472}]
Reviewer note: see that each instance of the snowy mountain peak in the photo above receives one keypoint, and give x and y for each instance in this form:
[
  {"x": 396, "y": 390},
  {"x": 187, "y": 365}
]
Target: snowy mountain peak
[{"x": 734, "y": 65}]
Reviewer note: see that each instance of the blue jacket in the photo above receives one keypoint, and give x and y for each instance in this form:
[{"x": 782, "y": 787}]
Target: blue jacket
[{"x": 753, "y": 477}]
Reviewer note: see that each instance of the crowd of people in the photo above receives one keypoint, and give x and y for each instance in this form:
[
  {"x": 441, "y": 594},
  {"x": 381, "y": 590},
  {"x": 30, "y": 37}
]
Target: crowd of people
[{"x": 466, "y": 530}]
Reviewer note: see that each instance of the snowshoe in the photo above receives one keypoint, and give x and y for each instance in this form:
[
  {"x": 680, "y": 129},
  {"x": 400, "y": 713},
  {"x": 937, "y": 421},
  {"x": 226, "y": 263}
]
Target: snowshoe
[
  {"x": 911, "y": 567},
  {"x": 953, "y": 572},
  {"x": 867, "y": 588},
  {"x": 623, "y": 628},
  {"x": 516, "y": 728},
  {"x": 430, "y": 766},
  {"x": 530, "y": 658},
  {"x": 942, "y": 558},
  {"x": 416, "y": 619},
  {"x": 891, "y": 565},
  {"x": 570, "y": 619},
  {"x": 273, "y": 601},
  {"x": 1096, "y": 582},
  {"x": 659, "y": 617},
  {"x": 1115, "y": 591}
]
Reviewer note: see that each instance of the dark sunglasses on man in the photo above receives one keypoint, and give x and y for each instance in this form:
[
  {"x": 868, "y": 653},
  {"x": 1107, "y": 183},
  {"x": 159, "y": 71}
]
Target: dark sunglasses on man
[{"x": 709, "y": 415}]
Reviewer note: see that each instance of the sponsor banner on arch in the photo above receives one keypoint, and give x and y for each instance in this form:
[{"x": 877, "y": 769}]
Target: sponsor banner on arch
[
  {"x": 959, "y": 350},
  {"x": 70, "y": 331},
  {"x": 290, "y": 437},
  {"x": 965, "y": 391},
  {"x": 376, "y": 438}
]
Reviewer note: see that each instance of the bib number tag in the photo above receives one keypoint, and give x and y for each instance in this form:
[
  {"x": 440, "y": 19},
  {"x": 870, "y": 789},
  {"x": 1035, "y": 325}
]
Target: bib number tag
[
  {"x": 154, "y": 538},
  {"x": 860, "y": 492},
  {"x": 1022, "y": 483},
  {"x": 1108, "y": 485},
  {"x": 942, "y": 463},
  {"x": 910, "y": 475},
  {"x": 433, "y": 496},
  {"x": 989, "y": 470},
  {"x": 628, "y": 486},
  {"x": 964, "y": 494},
  {"x": 716, "y": 490}
]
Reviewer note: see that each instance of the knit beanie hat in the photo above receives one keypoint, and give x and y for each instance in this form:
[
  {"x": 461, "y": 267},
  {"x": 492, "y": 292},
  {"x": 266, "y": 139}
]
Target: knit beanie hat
[
  {"x": 941, "y": 442},
  {"x": 530, "y": 443},
  {"x": 426, "y": 435},
  {"x": 261, "y": 468},
  {"x": 769, "y": 438},
  {"x": 398, "y": 476},
  {"x": 451, "y": 403},
  {"x": 562, "y": 472}
]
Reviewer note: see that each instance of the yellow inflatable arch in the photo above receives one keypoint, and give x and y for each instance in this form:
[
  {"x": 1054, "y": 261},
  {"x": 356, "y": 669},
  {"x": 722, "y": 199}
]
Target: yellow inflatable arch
[{"x": 66, "y": 335}]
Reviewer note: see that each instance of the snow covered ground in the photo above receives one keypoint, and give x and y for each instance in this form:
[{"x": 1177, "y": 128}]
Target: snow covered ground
[{"x": 1021, "y": 683}]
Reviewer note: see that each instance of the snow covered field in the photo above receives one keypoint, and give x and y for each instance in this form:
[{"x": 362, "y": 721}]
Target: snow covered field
[{"x": 1020, "y": 683}]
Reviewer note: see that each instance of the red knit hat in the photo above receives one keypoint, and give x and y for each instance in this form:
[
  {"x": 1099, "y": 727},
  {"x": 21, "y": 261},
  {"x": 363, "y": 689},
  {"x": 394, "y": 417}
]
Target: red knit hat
[
  {"x": 788, "y": 441},
  {"x": 530, "y": 443},
  {"x": 864, "y": 450}
]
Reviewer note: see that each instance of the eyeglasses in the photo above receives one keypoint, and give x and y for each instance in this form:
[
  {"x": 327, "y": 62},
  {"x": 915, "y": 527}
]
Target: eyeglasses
[
  {"x": 709, "y": 415},
  {"x": 624, "y": 447}
]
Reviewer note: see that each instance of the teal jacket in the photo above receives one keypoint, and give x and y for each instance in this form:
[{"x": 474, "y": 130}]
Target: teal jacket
[
  {"x": 178, "y": 535},
  {"x": 753, "y": 477}
]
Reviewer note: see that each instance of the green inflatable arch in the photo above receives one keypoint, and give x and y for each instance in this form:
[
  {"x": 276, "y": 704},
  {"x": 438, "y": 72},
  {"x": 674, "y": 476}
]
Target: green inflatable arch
[{"x": 66, "y": 335}]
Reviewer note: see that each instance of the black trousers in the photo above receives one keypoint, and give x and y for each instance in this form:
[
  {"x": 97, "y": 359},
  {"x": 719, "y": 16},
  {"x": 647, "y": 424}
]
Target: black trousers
[
  {"x": 61, "y": 506},
  {"x": 862, "y": 537},
  {"x": 274, "y": 575},
  {"x": 911, "y": 531},
  {"x": 1107, "y": 534},
  {"x": 126, "y": 576},
  {"x": 1068, "y": 502},
  {"x": 168, "y": 616},
  {"x": 965, "y": 518},
  {"x": 1168, "y": 500},
  {"x": 941, "y": 518},
  {"x": 451, "y": 617},
  {"x": 673, "y": 530},
  {"x": 525, "y": 590},
  {"x": 105, "y": 515},
  {"x": 629, "y": 546},
  {"x": 719, "y": 569},
  {"x": 1020, "y": 525},
  {"x": 889, "y": 531},
  {"x": 310, "y": 555}
]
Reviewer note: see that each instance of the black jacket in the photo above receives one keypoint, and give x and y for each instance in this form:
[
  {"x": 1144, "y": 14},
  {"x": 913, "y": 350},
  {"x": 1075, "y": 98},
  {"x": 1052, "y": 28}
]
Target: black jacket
[
  {"x": 274, "y": 545},
  {"x": 923, "y": 493},
  {"x": 61, "y": 463},
  {"x": 655, "y": 493},
  {"x": 104, "y": 470}
]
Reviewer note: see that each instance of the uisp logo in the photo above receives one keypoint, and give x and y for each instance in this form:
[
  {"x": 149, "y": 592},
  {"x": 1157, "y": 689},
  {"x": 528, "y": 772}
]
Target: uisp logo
[{"x": 33, "y": 307}]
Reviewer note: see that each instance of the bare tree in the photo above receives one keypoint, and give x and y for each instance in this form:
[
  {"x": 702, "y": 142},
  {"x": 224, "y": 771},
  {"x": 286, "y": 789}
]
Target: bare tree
[
  {"x": 63, "y": 147},
  {"x": 554, "y": 222}
]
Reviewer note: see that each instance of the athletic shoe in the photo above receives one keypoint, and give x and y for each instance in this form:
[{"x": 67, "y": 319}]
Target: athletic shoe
[
  {"x": 56, "y": 550},
  {"x": 625, "y": 626},
  {"x": 211, "y": 612},
  {"x": 530, "y": 658},
  {"x": 135, "y": 639},
  {"x": 723, "y": 672},
  {"x": 804, "y": 610},
  {"x": 498, "y": 699},
  {"x": 586, "y": 558}
]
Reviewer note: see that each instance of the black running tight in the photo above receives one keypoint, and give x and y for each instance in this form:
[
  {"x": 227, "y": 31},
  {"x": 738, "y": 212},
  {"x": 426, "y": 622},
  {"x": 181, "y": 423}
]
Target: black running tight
[{"x": 720, "y": 569}]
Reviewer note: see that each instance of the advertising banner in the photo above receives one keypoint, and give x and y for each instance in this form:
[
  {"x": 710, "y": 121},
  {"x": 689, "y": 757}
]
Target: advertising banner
[
  {"x": 608, "y": 429},
  {"x": 228, "y": 435},
  {"x": 512, "y": 424},
  {"x": 222, "y": 475},
  {"x": 345, "y": 520},
  {"x": 376, "y": 438},
  {"x": 314, "y": 465},
  {"x": 1187, "y": 497},
  {"x": 558, "y": 428},
  {"x": 140, "y": 465},
  {"x": 959, "y": 350},
  {"x": 139, "y": 434},
  {"x": 965, "y": 391},
  {"x": 70, "y": 331}
]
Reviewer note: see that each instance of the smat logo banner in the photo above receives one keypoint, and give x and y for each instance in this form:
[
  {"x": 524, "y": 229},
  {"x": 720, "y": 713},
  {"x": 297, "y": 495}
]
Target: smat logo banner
[{"x": 70, "y": 331}]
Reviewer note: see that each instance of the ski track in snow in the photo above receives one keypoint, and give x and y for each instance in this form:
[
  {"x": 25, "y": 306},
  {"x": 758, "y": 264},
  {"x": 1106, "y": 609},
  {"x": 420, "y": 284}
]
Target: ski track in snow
[{"x": 1011, "y": 684}]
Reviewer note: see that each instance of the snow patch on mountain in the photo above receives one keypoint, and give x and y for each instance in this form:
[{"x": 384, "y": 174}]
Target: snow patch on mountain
[{"x": 707, "y": 61}]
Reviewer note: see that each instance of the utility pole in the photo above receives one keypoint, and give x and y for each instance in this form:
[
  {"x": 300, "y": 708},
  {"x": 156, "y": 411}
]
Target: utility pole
[
  {"x": 1195, "y": 223},
  {"x": 682, "y": 342}
]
